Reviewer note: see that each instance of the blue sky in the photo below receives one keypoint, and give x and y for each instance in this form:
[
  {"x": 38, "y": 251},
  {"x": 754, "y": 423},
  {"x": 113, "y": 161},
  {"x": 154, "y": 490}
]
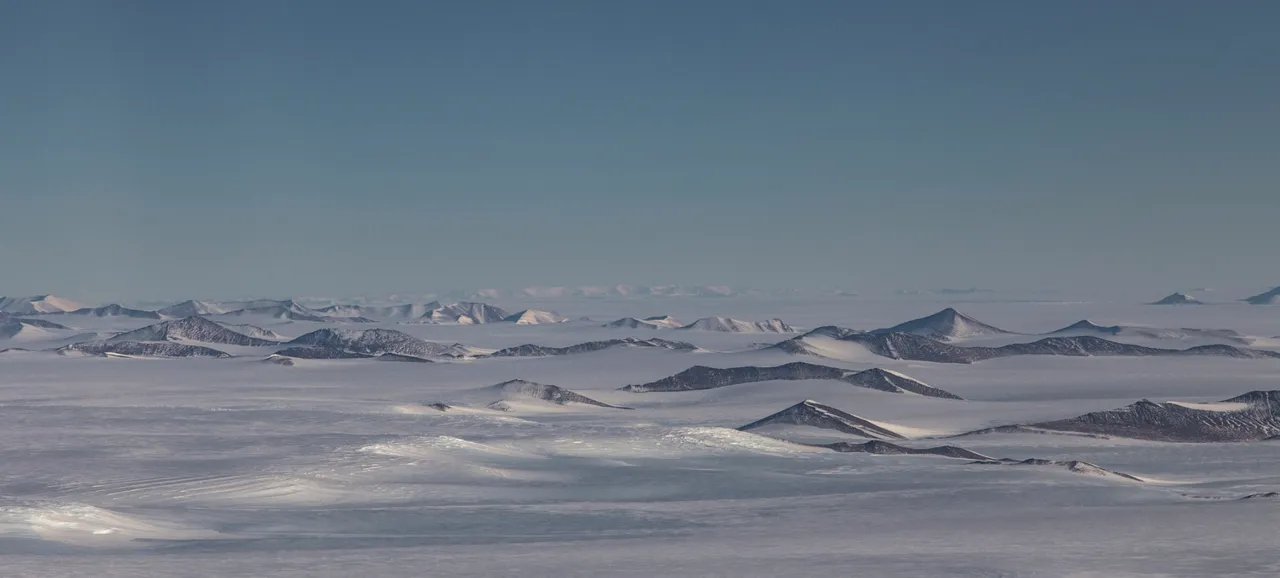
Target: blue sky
[{"x": 179, "y": 148}]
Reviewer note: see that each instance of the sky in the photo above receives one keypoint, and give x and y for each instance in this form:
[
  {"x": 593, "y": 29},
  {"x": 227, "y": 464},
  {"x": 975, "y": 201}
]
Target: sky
[{"x": 176, "y": 148}]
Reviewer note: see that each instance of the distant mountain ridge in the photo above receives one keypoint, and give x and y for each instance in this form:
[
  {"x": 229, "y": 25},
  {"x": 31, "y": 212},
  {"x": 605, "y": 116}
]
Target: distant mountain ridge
[
  {"x": 703, "y": 377},
  {"x": 37, "y": 304},
  {"x": 193, "y": 328}
]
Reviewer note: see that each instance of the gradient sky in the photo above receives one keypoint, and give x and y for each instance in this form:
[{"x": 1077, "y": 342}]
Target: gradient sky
[{"x": 174, "y": 148}]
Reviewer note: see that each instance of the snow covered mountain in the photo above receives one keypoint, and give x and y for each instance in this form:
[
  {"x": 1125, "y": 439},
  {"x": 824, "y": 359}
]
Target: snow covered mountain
[
  {"x": 253, "y": 331},
  {"x": 813, "y": 414},
  {"x": 37, "y": 304},
  {"x": 558, "y": 292},
  {"x": 656, "y": 322},
  {"x": 530, "y": 350},
  {"x": 112, "y": 310},
  {"x": 1086, "y": 327},
  {"x": 517, "y": 392},
  {"x": 25, "y": 330},
  {"x": 534, "y": 317},
  {"x": 1269, "y": 298},
  {"x": 945, "y": 325},
  {"x": 728, "y": 325},
  {"x": 377, "y": 342},
  {"x": 191, "y": 329},
  {"x": 466, "y": 313},
  {"x": 403, "y": 311},
  {"x": 884, "y": 448},
  {"x": 345, "y": 311},
  {"x": 913, "y": 347},
  {"x": 888, "y": 380},
  {"x": 702, "y": 377},
  {"x": 192, "y": 307},
  {"x": 1178, "y": 299},
  {"x": 141, "y": 349},
  {"x": 1252, "y": 416}
]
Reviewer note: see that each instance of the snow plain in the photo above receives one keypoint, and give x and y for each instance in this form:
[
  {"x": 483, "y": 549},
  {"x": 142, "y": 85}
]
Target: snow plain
[{"x": 235, "y": 467}]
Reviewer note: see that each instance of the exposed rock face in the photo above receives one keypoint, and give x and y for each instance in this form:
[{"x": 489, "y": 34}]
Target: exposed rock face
[
  {"x": 702, "y": 377},
  {"x": 886, "y": 448},
  {"x": 892, "y": 381},
  {"x": 377, "y": 342},
  {"x": 320, "y": 353},
  {"x": 530, "y": 350},
  {"x": 1252, "y": 416},
  {"x": 191, "y": 329},
  {"x": 945, "y": 325},
  {"x": 1086, "y": 327},
  {"x": 142, "y": 349},
  {"x": 1268, "y": 298},
  {"x": 911, "y": 347},
  {"x": 402, "y": 358},
  {"x": 1074, "y": 466},
  {"x": 519, "y": 389},
  {"x": 1178, "y": 299},
  {"x": 813, "y": 414}
]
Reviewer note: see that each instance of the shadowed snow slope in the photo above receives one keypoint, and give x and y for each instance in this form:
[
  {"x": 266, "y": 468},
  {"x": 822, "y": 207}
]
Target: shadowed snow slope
[
  {"x": 191, "y": 329},
  {"x": 534, "y": 317},
  {"x": 702, "y": 377},
  {"x": 1268, "y": 298},
  {"x": 945, "y": 325},
  {"x": 813, "y": 414},
  {"x": 37, "y": 304},
  {"x": 727, "y": 325}
]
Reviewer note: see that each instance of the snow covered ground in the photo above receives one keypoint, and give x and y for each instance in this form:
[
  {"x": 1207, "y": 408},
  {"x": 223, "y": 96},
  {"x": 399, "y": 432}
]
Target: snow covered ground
[{"x": 116, "y": 466}]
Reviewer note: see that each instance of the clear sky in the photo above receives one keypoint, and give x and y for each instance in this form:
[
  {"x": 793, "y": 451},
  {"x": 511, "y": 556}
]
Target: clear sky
[{"x": 174, "y": 148}]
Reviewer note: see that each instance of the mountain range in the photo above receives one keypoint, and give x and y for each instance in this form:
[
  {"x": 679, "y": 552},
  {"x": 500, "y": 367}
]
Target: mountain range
[{"x": 703, "y": 377}]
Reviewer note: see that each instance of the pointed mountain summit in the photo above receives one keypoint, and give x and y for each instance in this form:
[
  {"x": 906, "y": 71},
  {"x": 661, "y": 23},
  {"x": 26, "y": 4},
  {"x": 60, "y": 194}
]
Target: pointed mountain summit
[
  {"x": 813, "y": 414},
  {"x": 1179, "y": 299},
  {"x": 404, "y": 311},
  {"x": 1084, "y": 326},
  {"x": 535, "y": 317},
  {"x": 656, "y": 322},
  {"x": 519, "y": 390},
  {"x": 945, "y": 325},
  {"x": 191, "y": 329},
  {"x": 1269, "y": 298}
]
